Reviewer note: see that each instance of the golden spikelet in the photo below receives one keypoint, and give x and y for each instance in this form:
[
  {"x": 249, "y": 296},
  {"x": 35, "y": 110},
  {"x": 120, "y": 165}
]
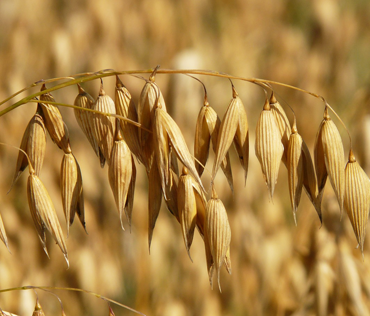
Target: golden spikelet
[
  {"x": 207, "y": 129},
  {"x": 120, "y": 174},
  {"x": 332, "y": 153},
  {"x": 38, "y": 309},
  {"x": 295, "y": 169},
  {"x": 34, "y": 144},
  {"x": 171, "y": 196},
  {"x": 104, "y": 126},
  {"x": 218, "y": 234},
  {"x": 268, "y": 147},
  {"x": 54, "y": 123},
  {"x": 71, "y": 189},
  {"x": 84, "y": 118},
  {"x": 234, "y": 128},
  {"x": 43, "y": 213},
  {"x": 282, "y": 123},
  {"x": 155, "y": 199},
  {"x": 150, "y": 98},
  {"x": 357, "y": 198},
  {"x": 187, "y": 208},
  {"x": 167, "y": 129},
  {"x": 3, "y": 236},
  {"x": 125, "y": 107},
  {"x": 309, "y": 179}
]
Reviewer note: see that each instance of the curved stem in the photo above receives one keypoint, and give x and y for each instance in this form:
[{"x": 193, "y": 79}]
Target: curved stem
[{"x": 31, "y": 287}]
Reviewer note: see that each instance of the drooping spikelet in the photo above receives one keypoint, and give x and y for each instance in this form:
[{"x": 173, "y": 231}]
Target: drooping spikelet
[
  {"x": 104, "y": 126},
  {"x": 120, "y": 175},
  {"x": 218, "y": 235},
  {"x": 71, "y": 189},
  {"x": 43, "y": 212},
  {"x": 309, "y": 179},
  {"x": 167, "y": 133},
  {"x": 282, "y": 123},
  {"x": 34, "y": 144},
  {"x": 234, "y": 128},
  {"x": 125, "y": 107},
  {"x": 155, "y": 199},
  {"x": 150, "y": 98},
  {"x": 357, "y": 198},
  {"x": 188, "y": 195},
  {"x": 54, "y": 123},
  {"x": 206, "y": 131},
  {"x": 295, "y": 169},
  {"x": 268, "y": 146},
  {"x": 329, "y": 148},
  {"x": 85, "y": 118}
]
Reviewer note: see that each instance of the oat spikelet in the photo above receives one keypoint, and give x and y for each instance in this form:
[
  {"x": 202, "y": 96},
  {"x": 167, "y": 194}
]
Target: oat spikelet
[
  {"x": 187, "y": 208},
  {"x": 71, "y": 189},
  {"x": 54, "y": 123},
  {"x": 234, "y": 128},
  {"x": 125, "y": 107},
  {"x": 282, "y": 123},
  {"x": 155, "y": 199},
  {"x": 43, "y": 213},
  {"x": 309, "y": 179},
  {"x": 171, "y": 196},
  {"x": 150, "y": 98},
  {"x": 3, "y": 236},
  {"x": 120, "y": 173},
  {"x": 38, "y": 309},
  {"x": 84, "y": 118},
  {"x": 167, "y": 127},
  {"x": 268, "y": 147},
  {"x": 218, "y": 234},
  {"x": 104, "y": 126},
  {"x": 34, "y": 144},
  {"x": 357, "y": 198},
  {"x": 207, "y": 128},
  {"x": 295, "y": 169},
  {"x": 333, "y": 151}
]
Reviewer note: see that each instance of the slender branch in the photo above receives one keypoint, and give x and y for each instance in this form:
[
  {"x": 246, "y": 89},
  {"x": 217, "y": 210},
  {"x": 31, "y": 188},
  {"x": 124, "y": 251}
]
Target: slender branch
[{"x": 31, "y": 287}]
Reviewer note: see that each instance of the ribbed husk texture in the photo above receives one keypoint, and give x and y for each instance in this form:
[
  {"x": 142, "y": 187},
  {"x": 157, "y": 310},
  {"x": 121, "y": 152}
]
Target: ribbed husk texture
[
  {"x": 268, "y": 147},
  {"x": 357, "y": 198},
  {"x": 54, "y": 123},
  {"x": 3, "y": 236}
]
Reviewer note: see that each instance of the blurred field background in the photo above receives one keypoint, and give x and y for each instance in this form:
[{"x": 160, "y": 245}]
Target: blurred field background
[{"x": 278, "y": 268}]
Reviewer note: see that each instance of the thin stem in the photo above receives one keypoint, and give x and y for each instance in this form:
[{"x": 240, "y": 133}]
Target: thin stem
[{"x": 31, "y": 287}]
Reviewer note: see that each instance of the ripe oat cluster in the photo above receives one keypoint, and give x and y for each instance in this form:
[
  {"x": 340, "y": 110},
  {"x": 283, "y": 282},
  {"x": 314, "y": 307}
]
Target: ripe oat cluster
[{"x": 123, "y": 133}]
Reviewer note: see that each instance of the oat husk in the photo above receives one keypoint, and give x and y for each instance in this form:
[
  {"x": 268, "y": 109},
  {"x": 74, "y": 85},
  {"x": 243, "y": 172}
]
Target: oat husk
[
  {"x": 206, "y": 131},
  {"x": 171, "y": 196},
  {"x": 34, "y": 144},
  {"x": 104, "y": 126},
  {"x": 72, "y": 190},
  {"x": 43, "y": 213},
  {"x": 167, "y": 132},
  {"x": 309, "y": 179},
  {"x": 329, "y": 147},
  {"x": 125, "y": 107},
  {"x": 282, "y": 123},
  {"x": 357, "y": 198},
  {"x": 218, "y": 236},
  {"x": 268, "y": 147},
  {"x": 234, "y": 128},
  {"x": 85, "y": 118},
  {"x": 150, "y": 98},
  {"x": 295, "y": 169},
  {"x": 120, "y": 174},
  {"x": 155, "y": 199},
  {"x": 54, "y": 123}
]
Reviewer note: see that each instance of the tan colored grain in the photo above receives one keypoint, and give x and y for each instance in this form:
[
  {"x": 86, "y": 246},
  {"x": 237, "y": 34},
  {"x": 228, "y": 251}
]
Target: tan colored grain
[{"x": 268, "y": 146}]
